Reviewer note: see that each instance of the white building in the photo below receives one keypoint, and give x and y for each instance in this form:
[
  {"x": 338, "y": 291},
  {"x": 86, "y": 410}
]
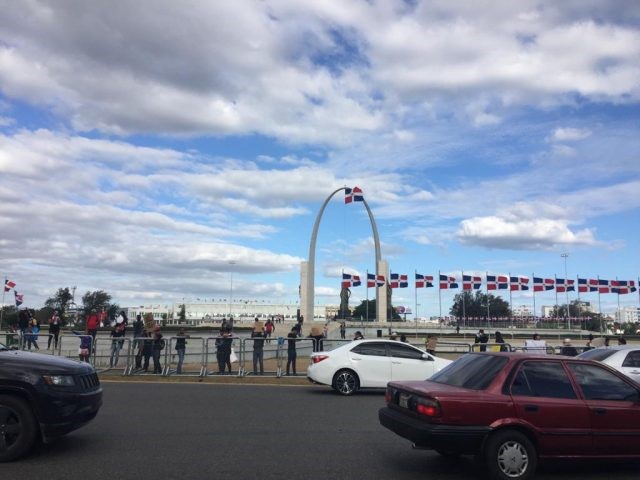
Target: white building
[{"x": 627, "y": 315}]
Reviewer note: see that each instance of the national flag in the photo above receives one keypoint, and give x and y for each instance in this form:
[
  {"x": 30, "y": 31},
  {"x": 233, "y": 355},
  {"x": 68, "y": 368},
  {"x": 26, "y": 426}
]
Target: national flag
[
  {"x": 604, "y": 286},
  {"x": 19, "y": 298},
  {"x": 565, "y": 285},
  {"x": 349, "y": 280},
  {"x": 373, "y": 281},
  {"x": 399, "y": 280},
  {"x": 424, "y": 281},
  {"x": 471, "y": 282},
  {"x": 622, "y": 287},
  {"x": 518, "y": 283},
  {"x": 447, "y": 282},
  {"x": 497, "y": 282},
  {"x": 353, "y": 195},
  {"x": 587, "y": 285},
  {"x": 8, "y": 285},
  {"x": 542, "y": 284}
]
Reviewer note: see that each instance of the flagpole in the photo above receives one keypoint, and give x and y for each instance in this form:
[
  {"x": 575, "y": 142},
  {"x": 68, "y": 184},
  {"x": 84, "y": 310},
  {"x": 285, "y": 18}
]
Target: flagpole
[
  {"x": 367, "y": 305},
  {"x": 510, "y": 303},
  {"x": 4, "y": 285},
  {"x": 555, "y": 283},
  {"x": 533, "y": 276},
  {"x": 439, "y": 298},
  {"x": 415, "y": 312},
  {"x": 599, "y": 304},
  {"x": 486, "y": 275}
]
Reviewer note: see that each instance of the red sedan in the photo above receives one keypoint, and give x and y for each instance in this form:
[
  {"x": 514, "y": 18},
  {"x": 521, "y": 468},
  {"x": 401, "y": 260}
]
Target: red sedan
[{"x": 511, "y": 410}]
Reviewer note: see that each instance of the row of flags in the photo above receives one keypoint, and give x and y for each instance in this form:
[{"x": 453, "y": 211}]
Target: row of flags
[
  {"x": 11, "y": 285},
  {"x": 496, "y": 282}
]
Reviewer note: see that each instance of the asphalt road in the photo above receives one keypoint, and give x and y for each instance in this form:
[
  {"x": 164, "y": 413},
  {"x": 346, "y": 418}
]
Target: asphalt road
[{"x": 204, "y": 431}]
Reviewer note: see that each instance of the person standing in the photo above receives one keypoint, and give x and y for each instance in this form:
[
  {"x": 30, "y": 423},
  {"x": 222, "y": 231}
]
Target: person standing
[
  {"x": 291, "y": 352},
  {"x": 181, "y": 348},
  {"x": 482, "y": 338},
  {"x": 54, "y": 330},
  {"x": 223, "y": 350},
  {"x": 157, "y": 347},
  {"x": 431, "y": 344},
  {"x": 269, "y": 328},
  {"x": 138, "y": 328},
  {"x": 32, "y": 334},
  {"x": 258, "y": 348},
  {"x": 500, "y": 340},
  {"x": 147, "y": 349},
  {"x": 118, "y": 333},
  {"x": 343, "y": 330},
  {"x": 93, "y": 321},
  {"x": 568, "y": 349}
]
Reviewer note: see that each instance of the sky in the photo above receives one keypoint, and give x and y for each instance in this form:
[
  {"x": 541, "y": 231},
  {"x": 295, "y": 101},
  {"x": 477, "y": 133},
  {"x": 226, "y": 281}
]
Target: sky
[{"x": 162, "y": 150}]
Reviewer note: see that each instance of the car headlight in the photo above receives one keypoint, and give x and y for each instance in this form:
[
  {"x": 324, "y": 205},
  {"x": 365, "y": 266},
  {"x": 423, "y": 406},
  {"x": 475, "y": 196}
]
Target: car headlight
[{"x": 59, "y": 380}]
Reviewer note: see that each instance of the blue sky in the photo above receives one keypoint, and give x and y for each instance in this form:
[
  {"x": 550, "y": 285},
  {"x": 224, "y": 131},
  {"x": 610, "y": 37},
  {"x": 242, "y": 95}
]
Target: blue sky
[{"x": 155, "y": 149}]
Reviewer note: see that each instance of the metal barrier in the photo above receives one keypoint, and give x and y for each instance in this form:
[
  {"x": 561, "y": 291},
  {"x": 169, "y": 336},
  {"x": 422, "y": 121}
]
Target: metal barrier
[
  {"x": 141, "y": 350},
  {"x": 491, "y": 347},
  {"x": 283, "y": 353},
  {"x": 13, "y": 339},
  {"x": 270, "y": 351},
  {"x": 211, "y": 348},
  {"x": 108, "y": 357},
  {"x": 65, "y": 350},
  {"x": 171, "y": 354},
  {"x": 452, "y": 347}
]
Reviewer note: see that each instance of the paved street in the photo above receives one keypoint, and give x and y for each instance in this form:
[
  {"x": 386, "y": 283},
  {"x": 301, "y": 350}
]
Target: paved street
[{"x": 194, "y": 431}]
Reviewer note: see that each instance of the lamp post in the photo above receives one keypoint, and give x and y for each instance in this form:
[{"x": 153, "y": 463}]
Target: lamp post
[
  {"x": 566, "y": 287},
  {"x": 231, "y": 263}
]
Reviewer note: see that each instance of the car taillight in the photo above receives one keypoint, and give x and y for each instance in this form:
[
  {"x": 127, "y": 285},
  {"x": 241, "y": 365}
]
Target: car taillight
[
  {"x": 319, "y": 358},
  {"x": 389, "y": 395},
  {"x": 427, "y": 407}
]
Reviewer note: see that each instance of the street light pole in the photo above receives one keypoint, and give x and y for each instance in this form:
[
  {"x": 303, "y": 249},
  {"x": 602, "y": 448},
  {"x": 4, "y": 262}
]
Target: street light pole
[
  {"x": 566, "y": 287},
  {"x": 231, "y": 262}
]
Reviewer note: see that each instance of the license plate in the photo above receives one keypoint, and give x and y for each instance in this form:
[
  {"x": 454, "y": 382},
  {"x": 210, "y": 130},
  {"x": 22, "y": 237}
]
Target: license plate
[{"x": 403, "y": 401}]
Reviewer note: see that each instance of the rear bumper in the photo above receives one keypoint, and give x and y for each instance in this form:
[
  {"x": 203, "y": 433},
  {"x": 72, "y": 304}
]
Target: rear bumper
[{"x": 461, "y": 439}]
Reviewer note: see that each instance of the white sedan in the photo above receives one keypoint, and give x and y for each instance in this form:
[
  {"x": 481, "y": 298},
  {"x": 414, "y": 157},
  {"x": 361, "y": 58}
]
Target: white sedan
[
  {"x": 371, "y": 364},
  {"x": 624, "y": 358}
]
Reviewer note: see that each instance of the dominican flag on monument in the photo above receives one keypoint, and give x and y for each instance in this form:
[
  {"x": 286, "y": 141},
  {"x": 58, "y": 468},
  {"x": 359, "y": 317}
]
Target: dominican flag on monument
[
  {"x": 622, "y": 287},
  {"x": 497, "y": 282},
  {"x": 447, "y": 282},
  {"x": 353, "y": 195},
  {"x": 424, "y": 281},
  {"x": 8, "y": 285},
  {"x": 518, "y": 283},
  {"x": 565, "y": 285},
  {"x": 587, "y": 285},
  {"x": 399, "y": 280},
  {"x": 349, "y": 280},
  {"x": 471, "y": 282},
  {"x": 373, "y": 281},
  {"x": 543, "y": 284}
]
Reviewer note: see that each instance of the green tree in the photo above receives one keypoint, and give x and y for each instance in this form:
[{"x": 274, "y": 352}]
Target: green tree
[
  {"x": 60, "y": 301},
  {"x": 476, "y": 305},
  {"x": 361, "y": 312},
  {"x": 182, "y": 313},
  {"x": 98, "y": 300}
]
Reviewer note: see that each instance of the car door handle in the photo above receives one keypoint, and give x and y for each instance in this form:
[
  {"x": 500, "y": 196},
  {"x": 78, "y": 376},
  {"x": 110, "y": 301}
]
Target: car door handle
[
  {"x": 397, "y": 363},
  {"x": 531, "y": 408},
  {"x": 599, "y": 411}
]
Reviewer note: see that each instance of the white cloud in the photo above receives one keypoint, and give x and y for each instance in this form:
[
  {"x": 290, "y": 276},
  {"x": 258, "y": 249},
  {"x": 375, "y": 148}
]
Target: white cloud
[{"x": 570, "y": 134}]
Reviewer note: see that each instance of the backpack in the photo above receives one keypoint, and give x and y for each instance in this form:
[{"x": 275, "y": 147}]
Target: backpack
[{"x": 162, "y": 344}]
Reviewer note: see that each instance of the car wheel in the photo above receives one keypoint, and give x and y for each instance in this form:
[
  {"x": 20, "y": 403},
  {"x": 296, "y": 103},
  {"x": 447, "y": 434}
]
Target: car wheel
[
  {"x": 18, "y": 428},
  {"x": 510, "y": 455},
  {"x": 346, "y": 382}
]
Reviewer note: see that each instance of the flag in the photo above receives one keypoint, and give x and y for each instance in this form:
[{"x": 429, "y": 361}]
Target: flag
[
  {"x": 587, "y": 285},
  {"x": 470, "y": 282},
  {"x": 622, "y": 287},
  {"x": 424, "y": 281},
  {"x": 565, "y": 285},
  {"x": 19, "y": 298},
  {"x": 518, "y": 283},
  {"x": 373, "y": 281},
  {"x": 542, "y": 284},
  {"x": 399, "y": 280},
  {"x": 8, "y": 285},
  {"x": 604, "y": 286},
  {"x": 497, "y": 282},
  {"x": 353, "y": 195},
  {"x": 447, "y": 282},
  {"x": 349, "y": 280}
]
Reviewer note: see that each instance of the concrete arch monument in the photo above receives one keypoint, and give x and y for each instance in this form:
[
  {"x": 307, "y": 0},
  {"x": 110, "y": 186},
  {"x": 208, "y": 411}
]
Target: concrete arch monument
[{"x": 307, "y": 269}]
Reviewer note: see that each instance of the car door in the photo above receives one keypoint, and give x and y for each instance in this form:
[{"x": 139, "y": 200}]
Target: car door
[
  {"x": 631, "y": 365},
  {"x": 372, "y": 364},
  {"x": 544, "y": 397},
  {"x": 614, "y": 406},
  {"x": 407, "y": 363}
]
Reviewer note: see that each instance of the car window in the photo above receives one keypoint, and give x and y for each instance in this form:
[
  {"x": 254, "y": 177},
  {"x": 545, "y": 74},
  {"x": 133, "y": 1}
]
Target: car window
[
  {"x": 598, "y": 383},
  {"x": 598, "y": 354},
  {"x": 404, "y": 351},
  {"x": 542, "y": 379},
  {"x": 373, "y": 348},
  {"x": 632, "y": 359},
  {"x": 473, "y": 370}
]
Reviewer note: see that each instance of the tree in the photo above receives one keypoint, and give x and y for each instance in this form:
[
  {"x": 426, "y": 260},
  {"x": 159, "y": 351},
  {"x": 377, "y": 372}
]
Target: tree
[
  {"x": 98, "y": 300},
  {"x": 361, "y": 311},
  {"x": 182, "y": 313},
  {"x": 60, "y": 301},
  {"x": 476, "y": 305}
]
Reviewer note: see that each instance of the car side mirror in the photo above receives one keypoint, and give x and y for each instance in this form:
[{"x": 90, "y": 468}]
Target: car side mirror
[{"x": 426, "y": 356}]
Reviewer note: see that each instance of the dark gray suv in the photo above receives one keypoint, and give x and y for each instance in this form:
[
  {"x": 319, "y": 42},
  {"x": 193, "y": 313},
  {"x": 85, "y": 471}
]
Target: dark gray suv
[{"x": 44, "y": 397}]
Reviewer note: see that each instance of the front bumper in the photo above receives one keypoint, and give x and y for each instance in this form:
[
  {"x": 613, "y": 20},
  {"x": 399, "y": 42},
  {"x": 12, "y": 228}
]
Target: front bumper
[
  {"x": 63, "y": 412},
  {"x": 450, "y": 438}
]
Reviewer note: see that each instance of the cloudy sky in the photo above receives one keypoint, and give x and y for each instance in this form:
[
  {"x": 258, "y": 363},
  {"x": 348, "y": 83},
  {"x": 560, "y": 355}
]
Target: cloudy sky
[{"x": 162, "y": 150}]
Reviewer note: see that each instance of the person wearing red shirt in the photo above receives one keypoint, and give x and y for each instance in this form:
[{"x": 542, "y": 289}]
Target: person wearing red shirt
[{"x": 93, "y": 321}]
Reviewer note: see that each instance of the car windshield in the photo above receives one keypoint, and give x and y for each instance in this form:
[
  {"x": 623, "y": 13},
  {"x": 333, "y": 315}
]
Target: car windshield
[
  {"x": 473, "y": 370},
  {"x": 597, "y": 354}
]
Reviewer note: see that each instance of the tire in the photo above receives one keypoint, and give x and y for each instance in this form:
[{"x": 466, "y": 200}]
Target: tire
[
  {"x": 510, "y": 455},
  {"x": 346, "y": 382},
  {"x": 18, "y": 428}
]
